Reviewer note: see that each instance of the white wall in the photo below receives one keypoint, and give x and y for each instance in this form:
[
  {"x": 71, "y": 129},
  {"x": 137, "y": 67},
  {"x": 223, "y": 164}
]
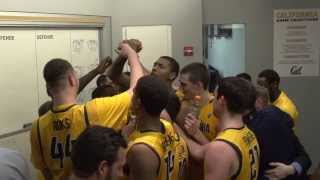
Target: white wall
[
  {"x": 84, "y": 7},
  {"x": 258, "y": 17},
  {"x": 78, "y": 7},
  {"x": 185, "y": 16},
  {"x": 305, "y": 91}
]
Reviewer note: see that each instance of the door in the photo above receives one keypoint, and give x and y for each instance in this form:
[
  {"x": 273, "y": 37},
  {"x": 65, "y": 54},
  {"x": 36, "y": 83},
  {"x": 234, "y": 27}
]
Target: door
[{"x": 156, "y": 41}]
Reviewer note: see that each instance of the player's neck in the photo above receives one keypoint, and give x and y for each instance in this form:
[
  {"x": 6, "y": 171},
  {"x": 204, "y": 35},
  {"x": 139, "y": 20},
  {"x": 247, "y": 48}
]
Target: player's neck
[
  {"x": 146, "y": 123},
  {"x": 275, "y": 96},
  {"x": 204, "y": 97},
  {"x": 63, "y": 98},
  {"x": 93, "y": 177},
  {"x": 229, "y": 120},
  {"x": 169, "y": 83}
]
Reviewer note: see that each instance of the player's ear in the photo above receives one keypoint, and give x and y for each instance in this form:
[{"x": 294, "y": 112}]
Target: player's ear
[{"x": 103, "y": 168}]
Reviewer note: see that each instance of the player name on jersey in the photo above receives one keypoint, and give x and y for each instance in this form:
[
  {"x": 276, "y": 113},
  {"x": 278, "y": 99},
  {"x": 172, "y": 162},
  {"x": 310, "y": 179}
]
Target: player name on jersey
[
  {"x": 44, "y": 36},
  {"x": 61, "y": 124},
  {"x": 204, "y": 127},
  {"x": 6, "y": 38}
]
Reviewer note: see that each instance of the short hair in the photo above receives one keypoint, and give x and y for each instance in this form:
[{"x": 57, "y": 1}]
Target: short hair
[
  {"x": 270, "y": 75},
  {"x": 56, "y": 70},
  {"x": 173, "y": 106},
  {"x": 239, "y": 93},
  {"x": 197, "y": 72},
  {"x": 128, "y": 73},
  {"x": 95, "y": 144},
  {"x": 153, "y": 93},
  {"x": 174, "y": 65},
  {"x": 215, "y": 78},
  {"x": 101, "y": 79},
  {"x": 245, "y": 76},
  {"x": 263, "y": 93},
  {"x": 103, "y": 91},
  {"x": 44, "y": 108}
]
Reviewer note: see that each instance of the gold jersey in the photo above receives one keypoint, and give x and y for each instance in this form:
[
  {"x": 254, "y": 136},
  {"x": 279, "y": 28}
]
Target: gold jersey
[
  {"x": 54, "y": 133},
  {"x": 246, "y": 145},
  {"x": 208, "y": 121},
  {"x": 169, "y": 147},
  {"x": 284, "y": 103}
]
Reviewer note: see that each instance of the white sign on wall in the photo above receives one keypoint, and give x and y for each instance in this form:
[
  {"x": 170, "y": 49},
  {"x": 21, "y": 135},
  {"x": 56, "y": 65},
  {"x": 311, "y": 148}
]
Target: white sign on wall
[{"x": 296, "y": 42}]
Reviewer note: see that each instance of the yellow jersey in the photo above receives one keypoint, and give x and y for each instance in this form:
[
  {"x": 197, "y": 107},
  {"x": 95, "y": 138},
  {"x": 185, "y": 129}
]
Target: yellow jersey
[
  {"x": 208, "y": 121},
  {"x": 54, "y": 133},
  {"x": 246, "y": 145},
  {"x": 208, "y": 125},
  {"x": 39, "y": 175},
  {"x": 169, "y": 147},
  {"x": 284, "y": 103}
]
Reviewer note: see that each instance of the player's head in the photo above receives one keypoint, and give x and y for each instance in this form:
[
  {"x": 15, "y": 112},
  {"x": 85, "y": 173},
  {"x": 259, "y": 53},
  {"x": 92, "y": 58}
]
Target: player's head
[
  {"x": 60, "y": 77},
  {"x": 104, "y": 91},
  {"x": 234, "y": 96},
  {"x": 151, "y": 96},
  {"x": 167, "y": 68},
  {"x": 103, "y": 80},
  {"x": 98, "y": 153},
  {"x": 173, "y": 106},
  {"x": 270, "y": 79},
  {"x": 245, "y": 76},
  {"x": 194, "y": 79},
  {"x": 215, "y": 78},
  {"x": 44, "y": 108},
  {"x": 262, "y": 99}
]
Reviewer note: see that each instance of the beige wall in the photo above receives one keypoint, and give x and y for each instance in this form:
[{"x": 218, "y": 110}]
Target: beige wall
[
  {"x": 87, "y": 7},
  {"x": 185, "y": 16},
  {"x": 79, "y": 7},
  {"x": 258, "y": 17}
]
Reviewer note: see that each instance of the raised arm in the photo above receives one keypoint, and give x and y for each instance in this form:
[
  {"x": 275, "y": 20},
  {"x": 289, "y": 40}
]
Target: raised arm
[
  {"x": 116, "y": 75},
  {"x": 134, "y": 63},
  {"x": 86, "y": 79},
  {"x": 116, "y": 70}
]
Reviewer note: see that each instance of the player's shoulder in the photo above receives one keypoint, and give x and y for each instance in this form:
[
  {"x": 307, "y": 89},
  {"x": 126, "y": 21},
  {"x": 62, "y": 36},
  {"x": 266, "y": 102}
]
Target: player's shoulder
[
  {"x": 141, "y": 151},
  {"x": 218, "y": 145},
  {"x": 221, "y": 149}
]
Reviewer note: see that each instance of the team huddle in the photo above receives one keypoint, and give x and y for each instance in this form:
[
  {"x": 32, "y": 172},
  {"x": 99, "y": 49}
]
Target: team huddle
[{"x": 139, "y": 126}]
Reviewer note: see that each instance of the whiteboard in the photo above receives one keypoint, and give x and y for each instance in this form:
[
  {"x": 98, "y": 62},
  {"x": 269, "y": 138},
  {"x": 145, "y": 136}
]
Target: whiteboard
[{"x": 24, "y": 52}]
